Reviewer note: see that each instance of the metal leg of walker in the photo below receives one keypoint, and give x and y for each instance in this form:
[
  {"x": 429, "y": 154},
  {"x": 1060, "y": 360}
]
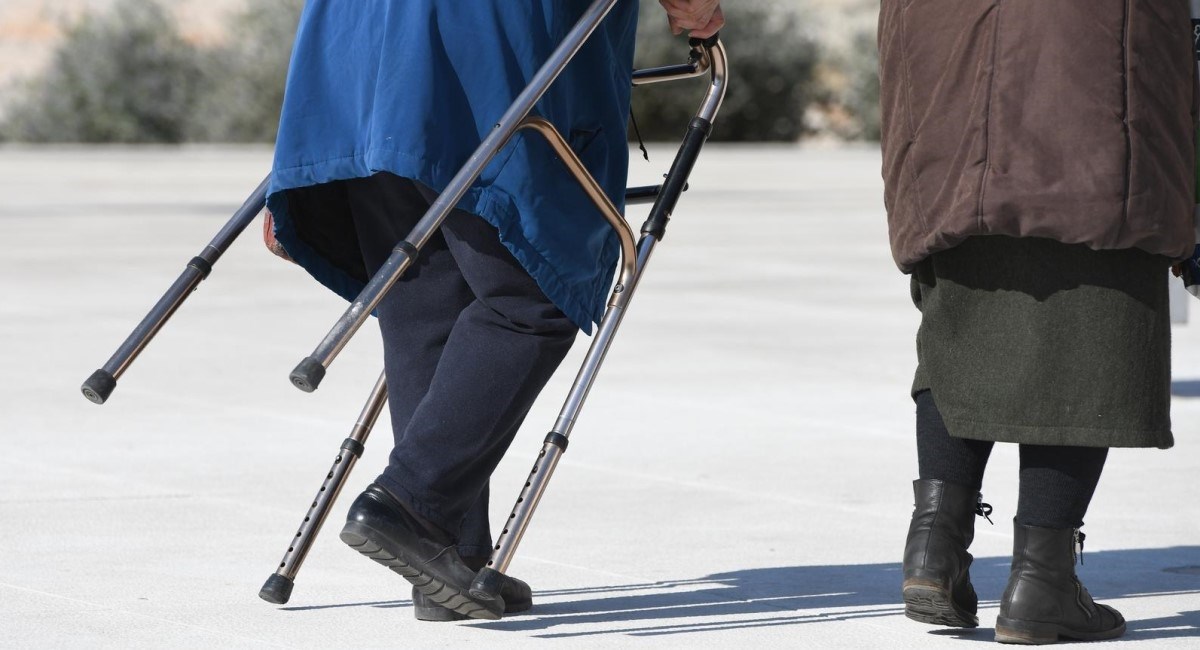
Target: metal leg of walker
[
  {"x": 98, "y": 387},
  {"x": 488, "y": 582},
  {"x": 278, "y": 588}
]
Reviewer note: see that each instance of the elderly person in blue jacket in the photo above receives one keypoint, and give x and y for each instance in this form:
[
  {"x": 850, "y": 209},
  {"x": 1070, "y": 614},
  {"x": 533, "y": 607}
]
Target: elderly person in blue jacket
[{"x": 385, "y": 101}]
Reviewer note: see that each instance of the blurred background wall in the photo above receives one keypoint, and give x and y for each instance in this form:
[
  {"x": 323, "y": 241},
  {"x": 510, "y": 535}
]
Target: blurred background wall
[{"x": 170, "y": 71}]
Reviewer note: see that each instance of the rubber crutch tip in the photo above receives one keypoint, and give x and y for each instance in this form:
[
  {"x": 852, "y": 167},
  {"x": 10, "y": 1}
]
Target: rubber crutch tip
[
  {"x": 277, "y": 589},
  {"x": 308, "y": 375},
  {"x": 99, "y": 387}
]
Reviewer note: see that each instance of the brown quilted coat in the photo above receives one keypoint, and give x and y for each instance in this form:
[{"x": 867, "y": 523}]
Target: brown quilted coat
[{"x": 1072, "y": 120}]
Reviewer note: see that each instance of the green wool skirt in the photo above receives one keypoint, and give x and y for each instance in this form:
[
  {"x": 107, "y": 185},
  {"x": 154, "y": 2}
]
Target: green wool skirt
[{"x": 1036, "y": 342}]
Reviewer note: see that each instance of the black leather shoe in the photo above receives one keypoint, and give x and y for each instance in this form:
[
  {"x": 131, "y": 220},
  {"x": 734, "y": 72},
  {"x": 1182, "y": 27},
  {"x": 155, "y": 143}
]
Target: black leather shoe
[
  {"x": 937, "y": 578},
  {"x": 517, "y": 595},
  {"x": 1044, "y": 600},
  {"x": 381, "y": 528}
]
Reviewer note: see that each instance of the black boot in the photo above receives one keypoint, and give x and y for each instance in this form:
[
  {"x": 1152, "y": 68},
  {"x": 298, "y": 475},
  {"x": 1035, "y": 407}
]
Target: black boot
[
  {"x": 937, "y": 579},
  {"x": 1044, "y": 600},
  {"x": 517, "y": 595}
]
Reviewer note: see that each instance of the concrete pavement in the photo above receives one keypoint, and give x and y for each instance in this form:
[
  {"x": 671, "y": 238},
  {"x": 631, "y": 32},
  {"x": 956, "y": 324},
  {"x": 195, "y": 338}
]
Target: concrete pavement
[{"x": 740, "y": 475}]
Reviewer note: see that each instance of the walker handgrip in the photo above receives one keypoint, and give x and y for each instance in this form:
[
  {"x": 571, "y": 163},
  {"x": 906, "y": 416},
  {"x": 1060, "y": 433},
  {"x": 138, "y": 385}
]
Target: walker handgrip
[{"x": 709, "y": 42}]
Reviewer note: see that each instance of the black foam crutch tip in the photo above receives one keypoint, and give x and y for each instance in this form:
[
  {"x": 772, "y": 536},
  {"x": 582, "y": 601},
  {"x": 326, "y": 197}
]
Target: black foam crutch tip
[
  {"x": 277, "y": 589},
  {"x": 99, "y": 386},
  {"x": 308, "y": 375},
  {"x": 487, "y": 584}
]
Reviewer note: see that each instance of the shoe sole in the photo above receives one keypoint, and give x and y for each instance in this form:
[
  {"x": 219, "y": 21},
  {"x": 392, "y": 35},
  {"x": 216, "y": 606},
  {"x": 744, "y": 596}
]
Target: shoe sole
[
  {"x": 362, "y": 539},
  {"x": 439, "y": 614},
  {"x": 932, "y": 604},
  {"x": 1020, "y": 632}
]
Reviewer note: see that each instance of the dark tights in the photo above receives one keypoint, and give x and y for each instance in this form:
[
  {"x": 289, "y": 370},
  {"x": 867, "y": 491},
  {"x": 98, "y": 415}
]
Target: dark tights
[{"x": 1057, "y": 483}]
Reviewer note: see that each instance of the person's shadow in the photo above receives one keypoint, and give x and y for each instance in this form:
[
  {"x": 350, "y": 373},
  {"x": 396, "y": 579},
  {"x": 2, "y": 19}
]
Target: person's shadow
[{"x": 801, "y": 595}]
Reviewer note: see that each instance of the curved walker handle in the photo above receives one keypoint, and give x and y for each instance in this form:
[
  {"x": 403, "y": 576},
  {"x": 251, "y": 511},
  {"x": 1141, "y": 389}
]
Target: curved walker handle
[{"x": 707, "y": 43}]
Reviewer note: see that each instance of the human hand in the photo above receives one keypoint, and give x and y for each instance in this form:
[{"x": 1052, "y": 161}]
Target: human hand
[
  {"x": 269, "y": 240},
  {"x": 703, "y": 17}
]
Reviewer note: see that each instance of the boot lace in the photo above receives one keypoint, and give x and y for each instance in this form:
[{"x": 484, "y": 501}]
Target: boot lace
[{"x": 984, "y": 510}]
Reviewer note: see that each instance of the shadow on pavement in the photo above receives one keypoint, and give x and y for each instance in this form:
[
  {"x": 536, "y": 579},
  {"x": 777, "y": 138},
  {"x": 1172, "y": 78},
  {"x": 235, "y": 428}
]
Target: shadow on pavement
[{"x": 785, "y": 596}]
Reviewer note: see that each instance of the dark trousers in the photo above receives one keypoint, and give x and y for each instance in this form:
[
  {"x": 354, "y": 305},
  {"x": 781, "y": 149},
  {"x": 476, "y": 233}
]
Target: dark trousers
[{"x": 469, "y": 341}]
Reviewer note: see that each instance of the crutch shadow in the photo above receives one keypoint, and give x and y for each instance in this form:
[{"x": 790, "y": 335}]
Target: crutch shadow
[{"x": 800, "y": 595}]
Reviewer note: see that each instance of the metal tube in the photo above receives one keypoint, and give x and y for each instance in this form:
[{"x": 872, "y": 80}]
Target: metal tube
[
  {"x": 308, "y": 375},
  {"x": 719, "y": 67},
  {"x": 531, "y": 494},
  {"x": 278, "y": 587},
  {"x": 522, "y": 514},
  {"x": 599, "y": 198},
  {"x": 487, "y": 583},
  {"x": 694, "y": 68},
  {"x": 100, "y": 385}
]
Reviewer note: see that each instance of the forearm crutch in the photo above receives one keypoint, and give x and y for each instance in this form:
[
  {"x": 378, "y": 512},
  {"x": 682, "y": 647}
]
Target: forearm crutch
[
  {"x": 101, "y": 384},
  {"x": 711, "y": 53}
]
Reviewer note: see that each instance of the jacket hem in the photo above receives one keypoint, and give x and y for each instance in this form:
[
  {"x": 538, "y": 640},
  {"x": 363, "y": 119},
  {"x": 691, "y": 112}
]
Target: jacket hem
[{"x": 488, "y": 203}]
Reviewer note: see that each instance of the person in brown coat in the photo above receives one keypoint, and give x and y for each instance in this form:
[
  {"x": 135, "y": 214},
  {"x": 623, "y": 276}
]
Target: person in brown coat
[{"x": 1039, "y": 160}]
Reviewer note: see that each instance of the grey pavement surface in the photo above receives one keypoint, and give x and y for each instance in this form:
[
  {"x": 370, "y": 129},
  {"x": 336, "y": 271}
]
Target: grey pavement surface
[{"x": 740, "y": 475}]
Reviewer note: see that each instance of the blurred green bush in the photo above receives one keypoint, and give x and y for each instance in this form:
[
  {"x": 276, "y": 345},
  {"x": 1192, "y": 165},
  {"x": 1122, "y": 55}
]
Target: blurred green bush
[
  {"x": 128, "y": 76},
  {"x": 772, "y": 62},
  {"x": 124, "y": 76},
  {"x": 850, "y": 106},
  {"x": 243, "y": 80}
]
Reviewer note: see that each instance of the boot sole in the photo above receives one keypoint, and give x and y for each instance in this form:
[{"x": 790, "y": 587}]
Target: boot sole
[
  {"x": 933, "y": 605},
  {"x": 1020, "y": 632},
  {"x": 363, "y": 539}
]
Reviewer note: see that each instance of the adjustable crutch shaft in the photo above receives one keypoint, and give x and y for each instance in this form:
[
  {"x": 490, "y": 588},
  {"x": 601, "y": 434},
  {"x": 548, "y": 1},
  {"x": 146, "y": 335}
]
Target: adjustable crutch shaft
[
  {"x": 488, "y": 582},
  {"x": 278, "y": 587},
  {"x": 308, "y": 374},
  {"x": 101, "y": 384}
]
